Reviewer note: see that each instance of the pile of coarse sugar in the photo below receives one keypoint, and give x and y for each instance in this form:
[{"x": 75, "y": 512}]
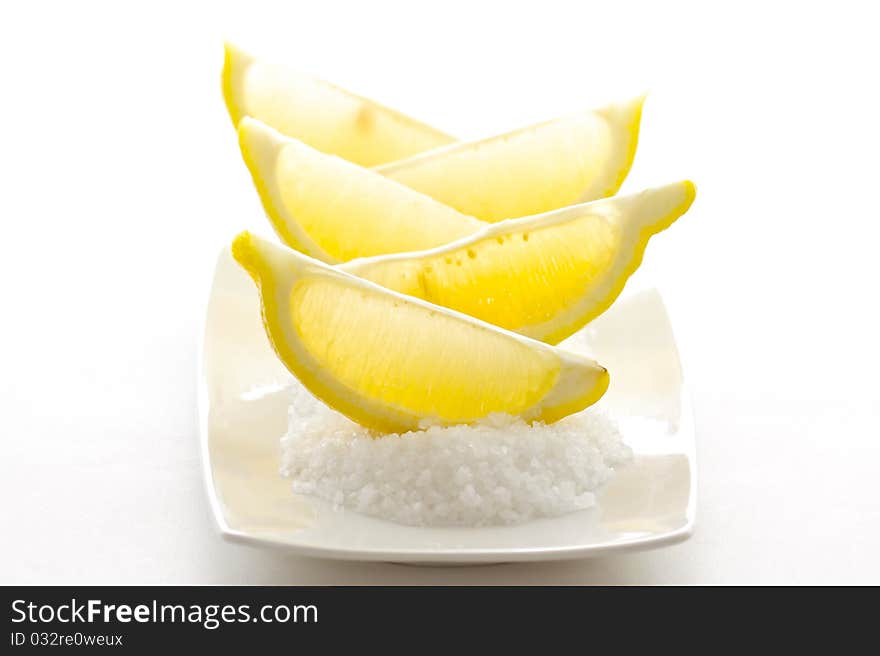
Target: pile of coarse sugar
[{"x": 498, "y": 471}]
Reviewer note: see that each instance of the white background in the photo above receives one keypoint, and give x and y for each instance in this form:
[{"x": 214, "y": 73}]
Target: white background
[{"x": 120, "y": 178}]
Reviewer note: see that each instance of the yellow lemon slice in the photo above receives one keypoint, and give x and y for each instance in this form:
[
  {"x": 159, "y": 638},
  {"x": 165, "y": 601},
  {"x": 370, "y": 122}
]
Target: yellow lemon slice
[
  {"x": 570, "y": 160},
  {"x": 320, "y": 114},
  {"x": 334, "y": 210},
  {"x": 544, "y": 276},
  {"x": 395, "y": 363}
]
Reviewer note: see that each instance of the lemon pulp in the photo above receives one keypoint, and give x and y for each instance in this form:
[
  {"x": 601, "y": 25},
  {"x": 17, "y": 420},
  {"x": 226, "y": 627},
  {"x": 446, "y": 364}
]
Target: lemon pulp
[
  {"x": 533, "y": 170},
  {"x": 393, "y": 363},
  {"x": 334, "y": 210},
  {"x": 321, "y": 114},
  {"x": 544, "y": 276}
]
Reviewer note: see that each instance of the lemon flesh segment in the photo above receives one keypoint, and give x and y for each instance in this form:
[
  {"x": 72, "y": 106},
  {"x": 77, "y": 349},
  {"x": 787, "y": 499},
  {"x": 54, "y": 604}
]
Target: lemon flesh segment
[
  {"x": 334, "y": 210},
  {"x": 570, "y": 160},
  {"x": 395, "y": 363},
  {"x": 545, "y": 276},
  {"x": 320, "y": 114}
]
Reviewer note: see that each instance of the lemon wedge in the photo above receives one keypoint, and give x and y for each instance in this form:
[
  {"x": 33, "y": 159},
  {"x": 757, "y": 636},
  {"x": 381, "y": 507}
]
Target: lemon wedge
[
  {"x": 334, "y": 210},
  {"x": 544, "y": 276},
  {"x": 537, "y": 169},
  {"x": 320, "y": 114},
  {"x": 395, "y": 363}
]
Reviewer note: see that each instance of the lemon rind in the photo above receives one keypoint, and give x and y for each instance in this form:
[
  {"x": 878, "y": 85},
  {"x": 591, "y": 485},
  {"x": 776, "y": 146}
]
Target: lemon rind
[
  {"x": 626, "y": 119},
  {"x": 235, "y": 65}
]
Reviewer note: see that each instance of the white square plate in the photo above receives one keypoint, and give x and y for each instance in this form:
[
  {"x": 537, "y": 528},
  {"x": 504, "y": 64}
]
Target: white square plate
[{"x": 243, "y": 413}]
